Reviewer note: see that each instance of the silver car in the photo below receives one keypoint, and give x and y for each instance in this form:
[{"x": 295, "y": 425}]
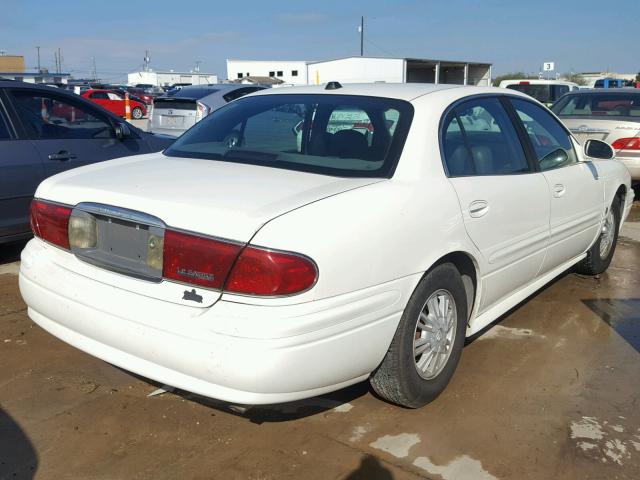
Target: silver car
[
  {"x": 174, "y": 113},
  {"x": 609, "y": 115}
]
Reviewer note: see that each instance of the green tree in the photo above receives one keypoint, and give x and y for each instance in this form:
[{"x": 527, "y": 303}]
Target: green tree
[{"x": 575, "y": 78}]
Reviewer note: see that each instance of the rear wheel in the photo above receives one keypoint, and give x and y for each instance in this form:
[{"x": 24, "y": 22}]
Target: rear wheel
[
  {"x": 137, "y": 113},
  {"x": 601, "y": 252},
  {"x": 427, "y": 345}
]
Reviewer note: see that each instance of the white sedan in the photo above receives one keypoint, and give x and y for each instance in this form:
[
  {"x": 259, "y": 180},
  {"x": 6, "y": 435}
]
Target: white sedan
[{"x": 249, "y": 265}]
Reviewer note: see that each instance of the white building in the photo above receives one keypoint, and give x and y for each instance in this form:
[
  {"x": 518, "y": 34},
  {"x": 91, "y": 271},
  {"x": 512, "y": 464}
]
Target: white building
[
  {"x": 163, "y": 79},
  {"x": 398, "y": 70},
  {"x": 293, "y": 72},
  {"x": 364, "y": 70},
  {"x": 42, "y": 76}
]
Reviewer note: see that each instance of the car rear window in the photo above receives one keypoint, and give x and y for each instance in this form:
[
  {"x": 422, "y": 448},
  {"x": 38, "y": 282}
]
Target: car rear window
[
  {"x": 544, "y": 93},
  {"x": 174, "y": 104},
  {"x": 340, "y": 135},
  {"x": 616, "y": 104}
]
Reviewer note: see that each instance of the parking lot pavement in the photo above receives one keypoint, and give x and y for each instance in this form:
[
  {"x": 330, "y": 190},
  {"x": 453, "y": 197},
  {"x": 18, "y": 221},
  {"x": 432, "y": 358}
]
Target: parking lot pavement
[
  {"x": 142, "y": 124},
  {"x": 551, "y": 391}
]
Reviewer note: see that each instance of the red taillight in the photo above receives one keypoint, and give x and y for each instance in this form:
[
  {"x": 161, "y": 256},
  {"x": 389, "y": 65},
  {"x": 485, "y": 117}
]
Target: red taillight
[
  {"x": 627, "y": 143},
  {"x": 51, "y": 222},
  {"x": 197, "y": 260},
  {"x": 265, "y": 272},
  {"x": 224, "y": 265}
]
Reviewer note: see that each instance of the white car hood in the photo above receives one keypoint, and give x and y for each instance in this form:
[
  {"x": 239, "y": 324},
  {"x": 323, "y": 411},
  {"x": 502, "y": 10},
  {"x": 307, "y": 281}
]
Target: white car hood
[{"x": 216, "y": 198}]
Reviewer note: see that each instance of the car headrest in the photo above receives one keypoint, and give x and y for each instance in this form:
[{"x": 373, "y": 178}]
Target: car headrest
[{"x": 348, "y": 144}]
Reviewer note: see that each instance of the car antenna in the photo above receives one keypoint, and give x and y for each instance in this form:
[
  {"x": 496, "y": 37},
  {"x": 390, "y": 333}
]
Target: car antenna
[{"x": 333, "y": 86}]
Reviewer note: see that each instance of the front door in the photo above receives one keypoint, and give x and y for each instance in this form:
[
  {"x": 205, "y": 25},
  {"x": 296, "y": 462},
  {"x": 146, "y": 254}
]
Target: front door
[
  {"x": 504, "y": 203},
  {"x": 575, "y": 192},
  {"x": 21, "y": 170},
  {"x": 69, "y": 133}
]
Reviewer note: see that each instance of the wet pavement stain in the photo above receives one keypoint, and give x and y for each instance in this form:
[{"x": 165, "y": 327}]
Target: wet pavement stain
[{"x": 623, "y": 315}]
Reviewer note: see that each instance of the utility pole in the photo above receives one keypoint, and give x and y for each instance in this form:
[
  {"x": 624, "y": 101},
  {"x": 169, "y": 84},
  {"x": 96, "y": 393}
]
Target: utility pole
[
  {"x": 361, "y": 36},
  {"x": 146, "y": 62},
  {"x": 95, "y": 74},
  {"x": 38, "y": 49},
  {"x": 55, "y": 59},
  {"x": 59, "y": 60}
]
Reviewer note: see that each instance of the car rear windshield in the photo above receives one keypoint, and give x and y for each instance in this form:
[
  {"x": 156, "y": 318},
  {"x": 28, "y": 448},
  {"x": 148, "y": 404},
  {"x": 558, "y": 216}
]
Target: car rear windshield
[
  {"x": 340, "y": 135},
  {"x": 617, "y": 104},
  {"x": 174, "y": 104},
  {"x": 542, "y": 92}
]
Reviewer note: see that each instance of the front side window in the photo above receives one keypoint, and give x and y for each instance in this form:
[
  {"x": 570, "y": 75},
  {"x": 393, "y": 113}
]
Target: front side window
[
  {"x": 342, "y": 135},
  {"x": 479, "y": 139},
  {"x": 550, "y": 141},
  {"x": 49, "y": 116},
  {"x": 114, "y": 96}
]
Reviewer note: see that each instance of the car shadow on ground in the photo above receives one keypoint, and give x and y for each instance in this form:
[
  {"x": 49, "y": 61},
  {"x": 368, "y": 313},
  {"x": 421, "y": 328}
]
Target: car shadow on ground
[
  {"x": 10, "y": 252},
  {"x": 281, "y": 412},
  {"x": 623, "y": 315},
  {"x": 18, "y": 457}
]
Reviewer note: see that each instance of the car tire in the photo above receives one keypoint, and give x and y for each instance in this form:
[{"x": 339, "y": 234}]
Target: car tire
[
  {"x": 137, "y": 113},
  {"x": 601, "y": 252},
  {"x": 404, "y": 377}
]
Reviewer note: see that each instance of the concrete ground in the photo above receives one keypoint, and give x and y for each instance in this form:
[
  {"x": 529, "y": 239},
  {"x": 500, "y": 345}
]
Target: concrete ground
[{"x": 552, "y": 391}]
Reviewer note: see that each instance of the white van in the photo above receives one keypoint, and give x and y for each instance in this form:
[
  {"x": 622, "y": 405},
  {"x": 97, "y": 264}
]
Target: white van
[{"x": 545, "y": 91}]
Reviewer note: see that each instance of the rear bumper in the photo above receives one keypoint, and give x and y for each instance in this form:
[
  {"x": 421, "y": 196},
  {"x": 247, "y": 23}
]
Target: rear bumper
[
  {"x": 172, "y": 132},
  {"x": 179, "y": 345}
]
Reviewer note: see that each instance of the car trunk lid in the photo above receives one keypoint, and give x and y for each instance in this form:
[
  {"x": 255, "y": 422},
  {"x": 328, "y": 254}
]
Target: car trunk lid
[
  {"x": 174, "y": 114},
  {"x": 134, "y": 198},
  {"x": 596, "y": 129}
]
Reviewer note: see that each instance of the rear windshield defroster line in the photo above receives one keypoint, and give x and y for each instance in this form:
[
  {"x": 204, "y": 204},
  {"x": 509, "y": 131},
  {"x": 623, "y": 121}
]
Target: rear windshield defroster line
[{"x": 329, "y": 134}]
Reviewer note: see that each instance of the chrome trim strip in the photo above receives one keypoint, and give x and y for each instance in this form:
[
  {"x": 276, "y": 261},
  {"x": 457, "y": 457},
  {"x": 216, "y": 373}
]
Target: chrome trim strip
[{"x": 121, "y": 213}]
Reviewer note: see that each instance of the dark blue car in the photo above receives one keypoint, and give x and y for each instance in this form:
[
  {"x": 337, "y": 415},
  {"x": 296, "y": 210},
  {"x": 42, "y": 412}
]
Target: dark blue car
[{"x": 44, "y": 131}]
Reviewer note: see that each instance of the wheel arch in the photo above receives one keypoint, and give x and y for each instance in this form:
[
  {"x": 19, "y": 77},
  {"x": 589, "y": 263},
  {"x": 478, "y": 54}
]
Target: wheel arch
[{"x": 467, "y": 265}]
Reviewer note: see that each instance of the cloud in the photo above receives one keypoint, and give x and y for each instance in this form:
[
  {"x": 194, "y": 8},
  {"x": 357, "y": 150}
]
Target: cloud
[{"x": 303, "y": 18}]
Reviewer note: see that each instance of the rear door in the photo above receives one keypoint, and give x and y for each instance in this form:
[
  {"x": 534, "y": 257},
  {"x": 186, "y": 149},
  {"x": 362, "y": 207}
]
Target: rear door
[
  {"x": 69, "y": 133},
  {"x": 505, "y": 204},
  {"x": 576, "y": 193},
  {"x": 21, "y": 170},
  {"x": 116, "y": 104}
]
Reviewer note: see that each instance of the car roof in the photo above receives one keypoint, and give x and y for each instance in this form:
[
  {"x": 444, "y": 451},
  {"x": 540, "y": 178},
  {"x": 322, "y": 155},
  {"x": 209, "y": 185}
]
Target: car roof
[{"x": 400, "y": 91}]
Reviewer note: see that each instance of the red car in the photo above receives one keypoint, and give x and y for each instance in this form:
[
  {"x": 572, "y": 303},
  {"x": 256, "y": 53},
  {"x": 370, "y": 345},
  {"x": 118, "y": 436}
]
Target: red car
[{"x": 114, "y": 102}]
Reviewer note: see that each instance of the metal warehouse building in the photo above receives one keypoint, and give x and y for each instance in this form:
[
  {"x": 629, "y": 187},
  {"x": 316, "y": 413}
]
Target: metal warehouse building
[{"x": 365, "y": 70}]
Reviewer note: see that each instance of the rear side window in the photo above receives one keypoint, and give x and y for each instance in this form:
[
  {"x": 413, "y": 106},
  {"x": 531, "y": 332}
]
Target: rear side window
[
  {"x": 99, "y": 96},
  {"x": 550, "y": 141},
  {"x": 5, "y": 133},
  {"x": 479, "y": 139},
  {"x": 49, "y": 116},
  {"x": 341, "y": 135}
]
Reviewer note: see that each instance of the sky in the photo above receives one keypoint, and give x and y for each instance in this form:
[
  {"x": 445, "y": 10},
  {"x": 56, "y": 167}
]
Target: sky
[{"x": 513, "y": 35}]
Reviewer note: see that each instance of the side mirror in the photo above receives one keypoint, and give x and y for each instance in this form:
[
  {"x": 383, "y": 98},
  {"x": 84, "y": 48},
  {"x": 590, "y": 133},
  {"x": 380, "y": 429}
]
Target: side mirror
[
  {"x": 598, "y": 149},
  {"x": 122, "y": 131}
]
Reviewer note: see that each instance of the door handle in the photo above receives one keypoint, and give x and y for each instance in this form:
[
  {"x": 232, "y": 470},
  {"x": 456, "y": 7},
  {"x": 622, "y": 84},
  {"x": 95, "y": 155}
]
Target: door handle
[
  {"x": 478, "y": 208},
  {"x": 62, "y": 156},
  {"x": 559, "y": 190}
]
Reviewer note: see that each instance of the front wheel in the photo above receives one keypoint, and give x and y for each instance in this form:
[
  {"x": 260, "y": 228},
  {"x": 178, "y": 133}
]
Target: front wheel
[
  {"x": 427, "y": 345},
  {"x": 601, "y": 252},
  {"x": 137, "y": 113}
]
